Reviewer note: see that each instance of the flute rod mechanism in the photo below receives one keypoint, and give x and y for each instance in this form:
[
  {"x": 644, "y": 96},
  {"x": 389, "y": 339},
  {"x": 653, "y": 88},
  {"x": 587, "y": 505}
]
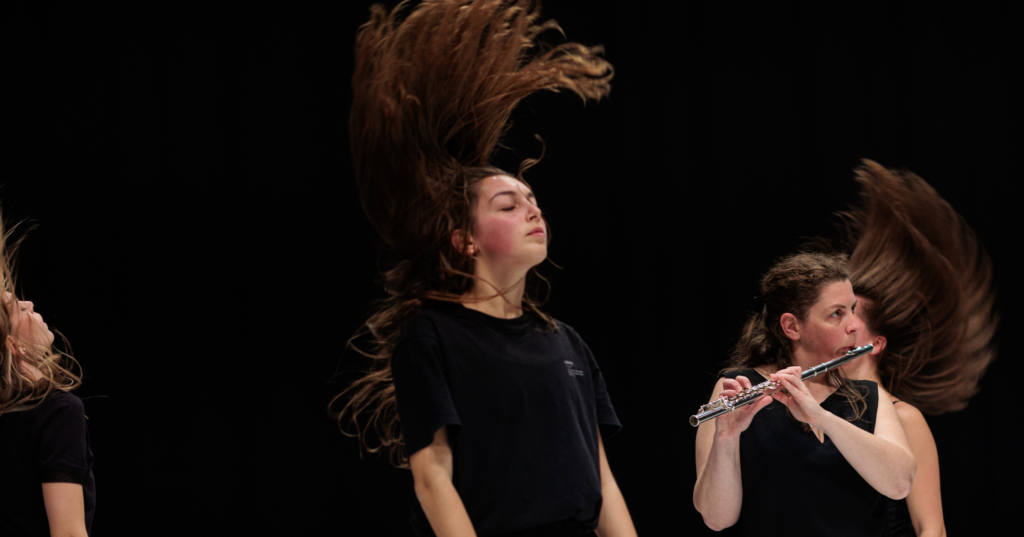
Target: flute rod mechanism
[{"x": 724, "y": 405}]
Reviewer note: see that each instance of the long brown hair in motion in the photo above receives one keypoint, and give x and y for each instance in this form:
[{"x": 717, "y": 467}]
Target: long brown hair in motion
[
  {"x": 433, "y": 89},
  {"x": 931, "y": 287},
  {"x": 28, "y": 372}
]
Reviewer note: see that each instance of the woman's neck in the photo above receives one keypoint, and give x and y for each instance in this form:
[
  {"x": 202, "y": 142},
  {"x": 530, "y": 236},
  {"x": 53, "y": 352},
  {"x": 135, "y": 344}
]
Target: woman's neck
[
  {"x": 819, "y": 385},
  {"x": 498, "y": 295},
  {"x": 863, "y": 368}
]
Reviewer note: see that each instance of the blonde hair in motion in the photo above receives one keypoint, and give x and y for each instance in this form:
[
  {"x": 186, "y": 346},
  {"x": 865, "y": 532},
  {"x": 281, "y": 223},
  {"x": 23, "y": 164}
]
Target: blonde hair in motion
[{"x": 19, "y": 387}]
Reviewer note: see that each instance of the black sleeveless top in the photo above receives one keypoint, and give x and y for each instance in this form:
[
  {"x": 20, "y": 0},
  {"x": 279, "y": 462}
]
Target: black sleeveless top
[
  {"x": 795, "y": 485},
  {"x": 900, "y": 524}
]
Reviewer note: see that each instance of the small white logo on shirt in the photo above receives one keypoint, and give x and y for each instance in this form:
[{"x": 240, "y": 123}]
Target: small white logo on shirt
[{"x": 573, "y": 372}]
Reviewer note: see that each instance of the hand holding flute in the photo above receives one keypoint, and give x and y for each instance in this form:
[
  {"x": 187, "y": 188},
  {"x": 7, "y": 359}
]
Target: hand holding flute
[
  {"x": 747, "y": 394},
  {"x": 733, "y": 423}
]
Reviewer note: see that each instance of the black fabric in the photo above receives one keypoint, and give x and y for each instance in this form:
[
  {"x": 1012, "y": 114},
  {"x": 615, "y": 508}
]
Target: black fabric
[
  {"x": 562, "y": 528},
  {"x": 795, "y": 485},
  {"x": 45, "y": 444},
  {"x": 522, "y": 403},
  {"x": 898, "y": 514},
  {"x": 900, "y": 524}
]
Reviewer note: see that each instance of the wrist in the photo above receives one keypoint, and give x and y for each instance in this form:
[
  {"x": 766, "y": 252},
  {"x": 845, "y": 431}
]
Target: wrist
[
  {"x": 724, "y": 435},
  {"x": 824, "y": 420}
]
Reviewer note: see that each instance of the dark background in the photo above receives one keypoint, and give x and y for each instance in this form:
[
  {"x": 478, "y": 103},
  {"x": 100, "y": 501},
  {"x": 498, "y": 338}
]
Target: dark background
[{"x": 200, "y": 242}]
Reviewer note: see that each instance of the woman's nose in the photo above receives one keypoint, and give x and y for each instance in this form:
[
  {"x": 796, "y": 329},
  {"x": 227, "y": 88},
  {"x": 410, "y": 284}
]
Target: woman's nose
[{"x": 534, "y": 213}]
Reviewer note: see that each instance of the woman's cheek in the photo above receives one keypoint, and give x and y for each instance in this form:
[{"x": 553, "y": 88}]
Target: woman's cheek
[{"x": 497, "y": 237}]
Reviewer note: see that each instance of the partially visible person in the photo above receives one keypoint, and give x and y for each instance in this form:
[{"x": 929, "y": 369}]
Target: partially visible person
[
  {"x": 924, "y": 291},
  {"x": 46, "y": 480}
]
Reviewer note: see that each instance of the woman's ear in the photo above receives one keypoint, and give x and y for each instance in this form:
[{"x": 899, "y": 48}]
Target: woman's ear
[
  {"x": 790, "y": 326},
  {"x": 463, "y": 242},
  {"x": 879, "y": 343}
]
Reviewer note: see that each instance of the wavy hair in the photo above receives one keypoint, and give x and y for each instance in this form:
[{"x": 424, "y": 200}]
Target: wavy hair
[
  {"x": 930, "y": 284},
  {"x": 792, "y": 285},
  {"x": 28, "y": 372},
  {"x": 433, "y": 89}
]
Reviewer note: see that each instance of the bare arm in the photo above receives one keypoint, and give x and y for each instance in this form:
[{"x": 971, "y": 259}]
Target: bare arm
[
  {"x": 65, "y": 509},
  {"x": 432, "y": 469},
  {"x": 925, "y": 499},
  {"x": 615, "y": 520},
  {"x": 718, "y": 493},
  {"x": 883, "y": 459}
]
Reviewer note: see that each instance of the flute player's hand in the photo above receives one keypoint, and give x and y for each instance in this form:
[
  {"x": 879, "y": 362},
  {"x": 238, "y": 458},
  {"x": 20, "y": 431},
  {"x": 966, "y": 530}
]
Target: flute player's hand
[
  {"x": 733, "y": 423},
  {"x": 799, "y": 400}
]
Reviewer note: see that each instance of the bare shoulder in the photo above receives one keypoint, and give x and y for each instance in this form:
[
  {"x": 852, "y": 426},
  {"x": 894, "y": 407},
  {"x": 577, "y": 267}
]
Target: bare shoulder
[{"x": 911, "y": 418}]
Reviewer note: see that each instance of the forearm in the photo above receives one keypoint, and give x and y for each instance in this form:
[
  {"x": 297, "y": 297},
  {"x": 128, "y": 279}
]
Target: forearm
[
  {"x": 884, "y": 465},
  {"x": 65, "y": 509},
  {"x": 615, "y": 520},
  {"x": 718, "y": 494},
  {"x": 444, "y": 509}
]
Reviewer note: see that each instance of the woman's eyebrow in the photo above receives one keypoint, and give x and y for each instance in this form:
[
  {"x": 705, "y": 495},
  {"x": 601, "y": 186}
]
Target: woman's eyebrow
[{"x": 529, "y": 195}]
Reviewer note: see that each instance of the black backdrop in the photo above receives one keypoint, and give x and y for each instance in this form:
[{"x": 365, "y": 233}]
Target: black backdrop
[{"x": 200, "y": 242}]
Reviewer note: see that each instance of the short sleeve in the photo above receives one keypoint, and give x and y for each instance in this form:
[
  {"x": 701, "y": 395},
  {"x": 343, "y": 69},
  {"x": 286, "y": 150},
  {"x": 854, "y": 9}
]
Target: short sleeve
[
  {"x": 421, "y": 390},
  {"x": 61, "y": 444},
  {"x": 607, "y": 419}
]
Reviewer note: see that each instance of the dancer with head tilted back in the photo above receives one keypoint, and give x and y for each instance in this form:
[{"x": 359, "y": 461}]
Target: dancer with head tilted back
[
  {"x": 499, "y": 410},
  {"x": 819, "y": 456},
  {"x": 46, "y": 480},
  {"x": 924, "y": 291}
]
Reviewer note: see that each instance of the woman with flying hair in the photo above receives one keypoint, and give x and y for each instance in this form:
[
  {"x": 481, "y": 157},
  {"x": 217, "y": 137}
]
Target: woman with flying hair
[
  {"x": 819, "y": 456},
  {"x": 46, "y": 481},
  {"x": 499, "y": 410},
  {"x": 924, "y": 292}
]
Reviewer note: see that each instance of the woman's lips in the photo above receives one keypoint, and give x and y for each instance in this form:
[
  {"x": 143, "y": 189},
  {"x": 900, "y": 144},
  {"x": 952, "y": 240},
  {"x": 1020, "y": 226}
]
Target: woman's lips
[{"x": 536, "y": 231}]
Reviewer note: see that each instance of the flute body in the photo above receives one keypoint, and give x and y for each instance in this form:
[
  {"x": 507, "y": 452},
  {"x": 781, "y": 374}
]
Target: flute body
[{"x": 724, "y": 405}]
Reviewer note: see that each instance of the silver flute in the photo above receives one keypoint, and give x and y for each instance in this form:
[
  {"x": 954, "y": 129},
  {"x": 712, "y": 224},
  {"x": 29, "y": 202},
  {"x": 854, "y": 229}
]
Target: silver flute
[{"x": 724, "y": 405}]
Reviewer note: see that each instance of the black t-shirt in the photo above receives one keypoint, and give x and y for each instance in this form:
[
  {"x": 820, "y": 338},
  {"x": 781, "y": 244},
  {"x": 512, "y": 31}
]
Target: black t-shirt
[
  {"x": 793, "y": 484},
  {"x": 46, "y": 444},
  {"x": 522, "y": 403}
]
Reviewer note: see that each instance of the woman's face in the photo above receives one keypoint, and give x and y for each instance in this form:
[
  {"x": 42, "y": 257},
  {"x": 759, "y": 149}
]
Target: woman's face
[
  {"x": 27, "y": 326},
  {"x": 830, "y": 328},
  {"x": 509, "y": 225}
]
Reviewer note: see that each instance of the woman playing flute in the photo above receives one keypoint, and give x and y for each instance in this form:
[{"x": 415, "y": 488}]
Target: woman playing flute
[
  {"x": 923, "y": 284},
  {"x": 499, "y": 410},
  {"x": 831, "y": 444}
]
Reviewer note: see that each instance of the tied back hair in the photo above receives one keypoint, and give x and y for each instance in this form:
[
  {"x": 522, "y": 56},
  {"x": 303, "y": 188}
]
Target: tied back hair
[
  {"x": 930, "y": 284},
  {"x": 433, "y": 89},
  {"x": 21, "y": 362},
  {"x": 792, "y": 285}
]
